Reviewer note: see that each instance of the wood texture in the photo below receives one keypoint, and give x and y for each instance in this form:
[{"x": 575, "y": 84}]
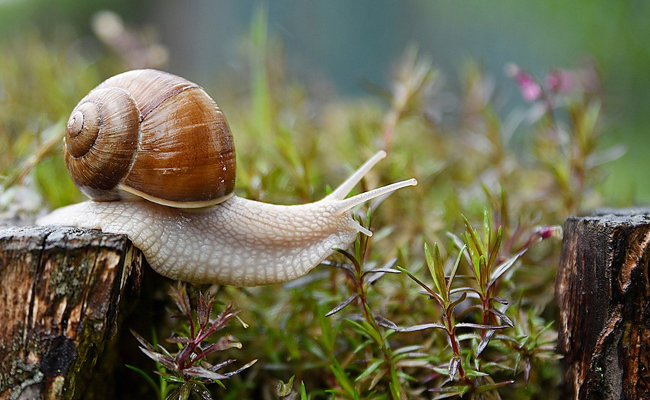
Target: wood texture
[
  {"x": 61, "y": 292},
  {"x": 603, "y": 292}
]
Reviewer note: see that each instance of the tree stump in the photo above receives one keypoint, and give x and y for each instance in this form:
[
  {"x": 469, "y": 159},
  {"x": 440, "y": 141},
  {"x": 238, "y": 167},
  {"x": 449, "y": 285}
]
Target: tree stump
[
  {"x": 603, "y": 292},
  {"x": 61, "y": 292}
]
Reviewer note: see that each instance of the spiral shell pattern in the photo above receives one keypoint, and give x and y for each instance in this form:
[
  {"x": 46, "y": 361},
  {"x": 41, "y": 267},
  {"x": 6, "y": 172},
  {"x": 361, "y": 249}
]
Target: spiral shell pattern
[{"x": 153, "y": 135}]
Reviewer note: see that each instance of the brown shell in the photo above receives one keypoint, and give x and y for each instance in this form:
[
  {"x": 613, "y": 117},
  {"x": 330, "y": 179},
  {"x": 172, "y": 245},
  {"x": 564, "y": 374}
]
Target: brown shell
[{"x": 154, "y": 135}]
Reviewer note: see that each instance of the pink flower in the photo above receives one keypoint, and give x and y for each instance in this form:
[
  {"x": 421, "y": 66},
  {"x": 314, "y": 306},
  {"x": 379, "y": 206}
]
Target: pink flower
[
  {"x": 559, "y": 81},
  {"x": 528, "y": 86}
]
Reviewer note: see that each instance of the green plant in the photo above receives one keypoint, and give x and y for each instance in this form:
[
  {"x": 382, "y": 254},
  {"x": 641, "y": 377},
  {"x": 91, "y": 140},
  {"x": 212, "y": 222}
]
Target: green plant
[{"x": 187, "y": 371}]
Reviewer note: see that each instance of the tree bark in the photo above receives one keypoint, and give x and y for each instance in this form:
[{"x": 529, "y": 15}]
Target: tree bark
[
  {"x": 603, "y": 292},
  {"x": 61, "y": 293}
]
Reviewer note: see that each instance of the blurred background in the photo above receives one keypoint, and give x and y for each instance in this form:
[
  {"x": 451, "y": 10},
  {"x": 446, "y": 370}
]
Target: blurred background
[
  {"x": 349, "y": 49},
  {"x": 535, "y": 110}
]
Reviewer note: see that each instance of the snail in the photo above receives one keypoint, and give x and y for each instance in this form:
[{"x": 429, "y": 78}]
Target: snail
[{"x": 155, "y": 154}]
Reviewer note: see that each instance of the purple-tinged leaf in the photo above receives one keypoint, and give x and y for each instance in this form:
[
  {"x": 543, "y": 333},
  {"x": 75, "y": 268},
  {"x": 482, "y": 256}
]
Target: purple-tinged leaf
[
  {"x": 351, "y": 258},
  {"x": 217, "y": 367},
  {"x": 165, "y": 352},
  {"x": 248, "y": 365},
  {"x": 453, "y": 366},
  {"x": 479, "y": 326},
  {"x": 342, "y": 305},
  {"x": 346, "y": 267},
  {"x": 454, "y": 303},
  {"x": 203, "y": 308},
  {"x": 471, "y": 292},
  {"x": 484, "y": 342},
  {"x": 183, "y": 355},
  {"x": 381, "y": 321},
  {"x": 501, "y": 300},
  {"x": 421, "y": 327},
  {"x": 142, "y": 341},
  {"x": 178, "y": 339},
  {"x": 226, "y": 342},
  {"x": 502, "y": 316},
  {"x": 527, "y": 368},
  {"x": 159, "y": 358},
  {"x": 504, "y": 267},
  {"x": 379, "y": 272},
  {"x": 201, "y": 372},
  {"x": 182, "y": 300}
]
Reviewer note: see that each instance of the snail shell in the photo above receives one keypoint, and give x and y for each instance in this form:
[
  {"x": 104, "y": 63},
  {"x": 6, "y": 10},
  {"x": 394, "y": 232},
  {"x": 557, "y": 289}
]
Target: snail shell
[{"x": 154, "y": 135}]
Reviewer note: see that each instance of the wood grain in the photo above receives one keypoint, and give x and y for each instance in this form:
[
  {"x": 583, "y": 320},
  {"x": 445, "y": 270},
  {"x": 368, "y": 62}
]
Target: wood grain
[
  {"x": 61, "y": 292},
  {"x": 603, "y": 292}
]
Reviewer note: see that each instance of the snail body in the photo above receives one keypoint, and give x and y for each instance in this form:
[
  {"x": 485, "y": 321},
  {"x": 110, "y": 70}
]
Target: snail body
[{"x": 206, "y": 238}]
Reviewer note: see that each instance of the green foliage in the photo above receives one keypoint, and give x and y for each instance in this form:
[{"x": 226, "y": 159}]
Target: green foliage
[
  {"x": 186, "y": 372},
  {"x": 494, "y": 185}
]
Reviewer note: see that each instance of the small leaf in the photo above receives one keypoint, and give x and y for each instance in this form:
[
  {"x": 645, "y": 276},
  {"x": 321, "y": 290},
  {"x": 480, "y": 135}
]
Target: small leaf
[
  {"x": 143, "y": 343},
  {"x": 502, "y": 316},
  {"x": 479, "y": 326},
  {"x": 226, "y": 342},
  {"x": 474, "y": 373},
  {"x": 248, "y": 365},
  {"x": 342, "y": 305},
  {"x": 366, "y": 328},
  {"x": 383, "y": 322},
  {"x": 504, "y": 267},
  {"x": 493, "y": 386},
  {"x": 303, "y": 391},
  {"x": 285, "y": 389},
  {"x": 382, "y": 270},
  {"x": 342, "y": 378},
  {"x": 495, "y": 250},
  {"x": 454, "y": 270},
  {"x": 371, "y": 368},
  {"x": 203, "y": 373},
  {"x": 484, "y": 342},
  {"x": 473, "y": 236},
  {"x": 407, "y": 349},
  {"x": 436, "y": 271},
  {"x": 350, "y": 257},
  {"x": 182, "y": 300},
  {"x": 346, "y": 267},
  {"x": 453, "y": 367},
  {"x": 421, "y": 327},
  {"x": 159, "y": 358},
  {"x": 454, "y": 303},
  {"x": 217, "y": 367},
  {"x": 203, "y": 308}
]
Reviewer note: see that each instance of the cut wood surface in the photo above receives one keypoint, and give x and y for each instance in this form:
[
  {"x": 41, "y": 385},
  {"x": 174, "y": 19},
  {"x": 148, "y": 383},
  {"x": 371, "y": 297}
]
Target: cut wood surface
[
  {"x": 603, "y": 292},
  {"x": 61, "y": 293}
]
